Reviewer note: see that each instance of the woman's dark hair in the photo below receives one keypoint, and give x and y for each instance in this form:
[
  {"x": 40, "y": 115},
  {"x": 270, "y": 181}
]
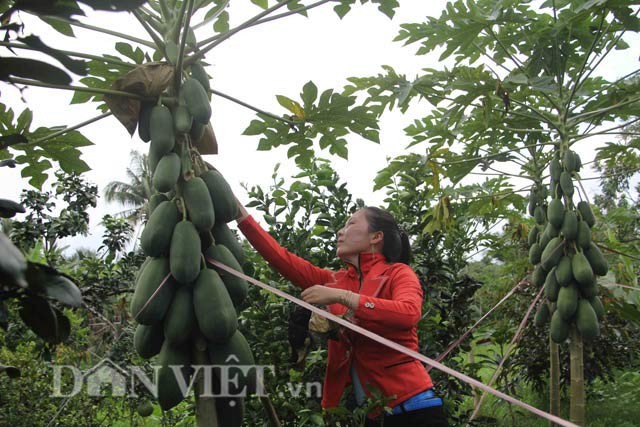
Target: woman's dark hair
[{"x": 396, "y": 246}]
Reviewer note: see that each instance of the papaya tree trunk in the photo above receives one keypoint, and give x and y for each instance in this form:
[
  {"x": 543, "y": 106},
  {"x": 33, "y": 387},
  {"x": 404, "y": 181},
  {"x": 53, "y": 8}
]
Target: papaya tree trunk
[
  {"x": 577, "y": 403},
  {"x": 554, "y": 380},
  {"x": 206, "y": 415}
]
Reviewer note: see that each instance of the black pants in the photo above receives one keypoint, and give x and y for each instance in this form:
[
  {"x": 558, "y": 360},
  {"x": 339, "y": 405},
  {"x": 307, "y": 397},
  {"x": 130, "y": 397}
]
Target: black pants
[{"x": 427, "y": 417}]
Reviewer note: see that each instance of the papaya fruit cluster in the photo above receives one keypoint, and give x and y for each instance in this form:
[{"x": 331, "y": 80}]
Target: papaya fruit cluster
[
  {"x": 180, "y": 300},
  {"x": 566, "y": 260}
]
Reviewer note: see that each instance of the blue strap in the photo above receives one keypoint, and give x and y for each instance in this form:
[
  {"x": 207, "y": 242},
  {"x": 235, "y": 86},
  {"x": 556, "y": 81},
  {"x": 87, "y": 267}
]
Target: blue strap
[{"x": 426, "y": 399}]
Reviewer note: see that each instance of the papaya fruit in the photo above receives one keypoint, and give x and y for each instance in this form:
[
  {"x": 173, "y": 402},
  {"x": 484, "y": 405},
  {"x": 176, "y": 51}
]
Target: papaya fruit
[
  {"x": 144, "y": 408},
  {"x": 563, "y": 272},
  {"x": 171, "y": 52},
  {"x": 191, "y": 38},
  {"x": 153, "y": 293},
  {"x": 215, "y": 314},
  {"x": 566, "y": 183},
  {"x": 197, "y": 100},
  {"x": 598, "y": 307},
  {"x": 154, "y": 201},
  {"x": 152, "y": 160},
  {"x": 538, "y": 276},
  {"x": 586, "y": 213},
  {"x": 584, "y": 235},
  {"x": 555, "y": 213},
  {"x": 196, "y": 132},
  {"x": 533, "y": 202},
  {"x": 539, "y": 215},
  {"x": 166, "y": 174},
  {"x": 148, "y": 339},
  {"x": 597, "y": 261},
  {"x": 182, "y": 119},
  {"x": 542, "y": 315},
  {"x": 558, "y": 328},
  {"x": 223, "y": 199},
  {"x": 198, "y": 203},
  {"x": 155, "y": 238},
  {"x": 236, "y": 286},
  {"x": 544, "y": 240},
  {"x": 551, "y": 286},
  {"x": 555, "y": 169},
  {"x": 532, "y": 238},
  {"x": 175, "y": 362},
  {"x": 581, "y": 269},
  {"x": 180, "y": 318},
  {"x": 551, "y": 230},
  {"x": 161, "y": 130},
  {"x": 534, "y": 254},
  {"x": 144, "y": 121},
  {"x": 578, "y": 162},
  {"x": 198, "y": 72},
  {"x": 567, "y": 302},
  {"x": 587, "y": 320},
  {"x": 185, "y": 256},
  {"x": 569, "y": 161},
  {"x": 569, "y": 227},
  {"x": 590, "y": 289},
  {"x": 235, "y": 351},
  {"x": 552, "y": 253},
  {"x": 225, "y": 236}
]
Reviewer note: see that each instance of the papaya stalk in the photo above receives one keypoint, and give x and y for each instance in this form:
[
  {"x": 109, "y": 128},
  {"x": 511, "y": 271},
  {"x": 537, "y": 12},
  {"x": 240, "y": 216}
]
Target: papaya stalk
[{"x": 177, "y": 75}]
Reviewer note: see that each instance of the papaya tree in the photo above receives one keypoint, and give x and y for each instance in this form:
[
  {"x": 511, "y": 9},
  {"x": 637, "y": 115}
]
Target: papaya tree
[{"x": 527, "y": 89}]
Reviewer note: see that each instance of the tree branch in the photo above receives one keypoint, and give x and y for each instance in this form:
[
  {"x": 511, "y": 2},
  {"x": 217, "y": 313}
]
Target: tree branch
[
  {"x": 251, "y": 107},
  {"x": 78, "y": 88},
  {"x": 69, "y": 129},
  {"x": 102, "y": 30}
]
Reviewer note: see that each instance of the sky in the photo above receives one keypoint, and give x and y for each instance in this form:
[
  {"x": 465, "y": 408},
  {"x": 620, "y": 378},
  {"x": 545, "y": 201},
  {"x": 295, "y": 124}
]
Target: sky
[{"x": 254, "y": 65}]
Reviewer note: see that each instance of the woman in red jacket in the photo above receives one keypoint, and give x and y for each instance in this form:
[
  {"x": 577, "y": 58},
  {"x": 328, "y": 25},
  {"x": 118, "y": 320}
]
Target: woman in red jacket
[{"x": 378, "y": 291}]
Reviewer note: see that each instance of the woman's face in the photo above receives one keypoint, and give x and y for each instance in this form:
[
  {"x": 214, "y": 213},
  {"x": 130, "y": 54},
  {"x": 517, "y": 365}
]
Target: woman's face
[{"x": 355, "y": 237}]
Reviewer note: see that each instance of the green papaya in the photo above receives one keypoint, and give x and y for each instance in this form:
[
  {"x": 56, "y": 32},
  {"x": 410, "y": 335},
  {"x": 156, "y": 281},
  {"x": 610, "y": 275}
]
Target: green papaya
[
  {"x": 555, "y": 169},
  {"x": 196, "y": 132},
  {"x": 148, "y": 339},
  {"x": 171, "y": 52},
  {"x": 586, "y": 213},
  {"x": 532, "y": 238},
  {"x": 152, "y": 160},
  {"x": 552, "y": 253},
  {"x": 198, "y": 72},
  {"x": 542, "y": 315},
  {"x": 214, "y": 309},
  {"x": 584, "y": 235},
  {"x": 539, "y": 215},
  {"x": 533, "y": 202},
  {"x": 596, "y": 260},
  {"x": 198, "y": 203},
  {"x": 534, "y": 254},
  {"x": 155, "y": 238},
  {"x": 166, "y": 175},
  {"x": 581, "y": 269},
  {"x": 558, "y": 328},
  {"x": 551, "y": 230},
  {"x": 197, "y": 100},
  {"x": 569, "y": 161},
  {"x": 175, "y": 367},
  {"x": 236, "y": 286},
  {"x": 569, "y": 227},
  {"x": 153, "y": 293},
  {"x": 235, "y": 352},
  {"x": 566, "y": 183},
  {"x": 182, "y": 119},
  {"x": 598, "y": 307},
  {"x": 224, "y": 201},
  {"x": 538, "y": 276},
  {"x": 180, "y": 319},
  {"x": 185, "y": 256},
  {"x": 590, "y": 289},
  {"x": 144, "y": 121},
  {"x": 551, "y": 286},
  {"x": 564, "y": 274},
  {"x": 544, "y": 240},
  {"x": 567, "y": 302},
  {"x": 154, "y": 202},
  {"x": 161, "y": 130},
  {"x": 587, "y": 320},
  {"x": 555, "y": 212},
  {"x": 225, "y": 236}
]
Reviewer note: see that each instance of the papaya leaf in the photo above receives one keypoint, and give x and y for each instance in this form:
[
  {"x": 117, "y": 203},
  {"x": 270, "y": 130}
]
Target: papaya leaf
[
  {"x": 74, "y": 65},
  {"x": 9, "y": 208},
  {"x": 8, "y": 140},
  {"x": 221, "y": 24},
  {"x": 32, "y": 69},
  {"x": 64, "y": 8},
  {"x": 261, "y": 3},
  {"x": 52, "y": 283},
  {"x": 11, "y": 371},
  {"x": 114, "y": 5},
  {"x": 38, "y": 315},
  {"x": 63, "y": 28}
]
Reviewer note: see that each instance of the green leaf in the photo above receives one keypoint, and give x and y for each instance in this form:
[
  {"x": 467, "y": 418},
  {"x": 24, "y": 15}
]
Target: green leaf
[
  {"x": 222, "y": 23},
  {"x": 24, "y": 121},
  {"x": 8, "y": 140},
  {"x": 35, "y": 170},
  {"x": 61, "y": 27},
  {"x": 32, "y": 69},
  {"x": 127, "y": 50},
  {"x": 74, "y": 65},
  {"x": 11, "y": 371},
  {"x": 50, "y": 282},
  {"x": 114, "y": 5},
  {"x": 262, "y": 3},
  {"x": 38, "y": 315},
  {"x": 291, "y": 105},
  {"x": 309, "y": 94},
  {"x": 256, "y": 127}
]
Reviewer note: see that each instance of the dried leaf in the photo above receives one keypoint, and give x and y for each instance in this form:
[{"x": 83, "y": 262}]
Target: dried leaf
[{"x": 208, "y": 143}]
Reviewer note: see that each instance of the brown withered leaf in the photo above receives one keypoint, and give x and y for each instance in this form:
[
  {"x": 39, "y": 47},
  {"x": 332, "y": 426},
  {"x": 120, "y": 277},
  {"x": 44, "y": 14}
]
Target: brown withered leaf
[
  {"x": 147, "y": 80},
  {"x": 208, "y": 144}
]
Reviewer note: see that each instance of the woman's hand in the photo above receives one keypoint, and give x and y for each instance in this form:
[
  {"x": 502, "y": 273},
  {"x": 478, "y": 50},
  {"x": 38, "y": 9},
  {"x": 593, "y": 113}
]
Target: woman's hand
[{"x": 323, "y": 295}]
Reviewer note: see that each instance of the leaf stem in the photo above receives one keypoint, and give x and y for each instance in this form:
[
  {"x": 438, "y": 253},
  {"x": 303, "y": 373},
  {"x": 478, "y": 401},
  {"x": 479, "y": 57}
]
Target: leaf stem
[
  {"x": 74, "y": 54},
  {"x": 102, "y": 30},
  {"x": 156, "y": 39},
  {"x": 579, "y": 118},
  {"x": 177, "y": 75},
  {"x": 251, "y": 107},
  {"x": 228, "y": 34},
  {"x": 609, "y": 131},
  {"x": 69, "y": 129},
  {"x": 213, "y": 15},
  {"x": 78, "y": 88}
]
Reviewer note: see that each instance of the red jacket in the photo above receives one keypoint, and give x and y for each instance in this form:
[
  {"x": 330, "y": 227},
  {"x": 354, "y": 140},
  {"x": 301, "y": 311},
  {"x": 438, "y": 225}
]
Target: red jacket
[{"x": 390, "y": 305}]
